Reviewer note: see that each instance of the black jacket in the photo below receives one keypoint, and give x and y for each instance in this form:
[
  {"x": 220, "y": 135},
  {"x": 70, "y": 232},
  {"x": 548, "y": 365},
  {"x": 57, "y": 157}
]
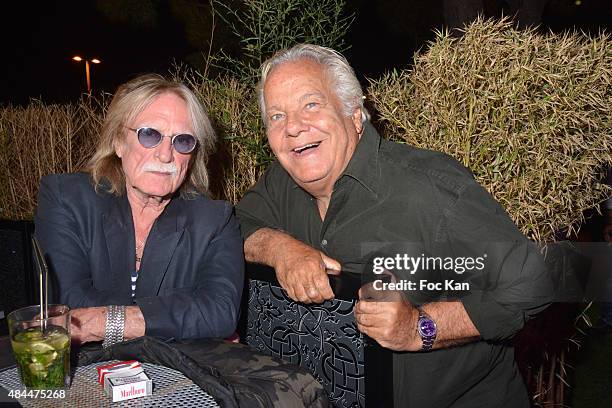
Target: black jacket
[
  {"x": 191, "y": 275},
  {"x": 233, "y": 374}
]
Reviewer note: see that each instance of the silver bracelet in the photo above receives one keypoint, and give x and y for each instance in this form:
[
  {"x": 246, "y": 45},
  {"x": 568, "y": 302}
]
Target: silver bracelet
[{"x": 115, "y": 324}]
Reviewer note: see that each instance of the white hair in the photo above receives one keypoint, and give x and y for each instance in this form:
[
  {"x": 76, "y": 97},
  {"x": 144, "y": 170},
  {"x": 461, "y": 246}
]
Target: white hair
[{"x": 343, "y": 79}]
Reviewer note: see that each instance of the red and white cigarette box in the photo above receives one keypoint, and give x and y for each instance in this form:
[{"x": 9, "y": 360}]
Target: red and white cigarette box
[
  {"x": 120, "y": 387},
  {"x": 121, "y": 366},
  {"x": 125, "y": 380}
]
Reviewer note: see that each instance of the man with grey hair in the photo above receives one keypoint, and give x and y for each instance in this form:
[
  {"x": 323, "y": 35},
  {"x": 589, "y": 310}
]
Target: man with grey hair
[{"x": 338, "y": 189}]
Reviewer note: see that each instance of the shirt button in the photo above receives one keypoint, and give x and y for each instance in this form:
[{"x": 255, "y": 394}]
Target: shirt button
[{"x": 324, "y": 242}]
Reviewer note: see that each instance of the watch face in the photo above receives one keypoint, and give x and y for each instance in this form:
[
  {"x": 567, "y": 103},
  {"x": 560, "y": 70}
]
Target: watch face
[{"x": 427, "y": 327}]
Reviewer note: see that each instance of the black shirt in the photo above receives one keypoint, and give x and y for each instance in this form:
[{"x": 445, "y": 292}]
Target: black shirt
[{"x": 396, "y": 199}]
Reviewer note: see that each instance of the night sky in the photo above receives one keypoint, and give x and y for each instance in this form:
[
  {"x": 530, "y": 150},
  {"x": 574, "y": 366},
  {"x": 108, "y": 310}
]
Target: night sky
[{"x": 40, "y": 38}]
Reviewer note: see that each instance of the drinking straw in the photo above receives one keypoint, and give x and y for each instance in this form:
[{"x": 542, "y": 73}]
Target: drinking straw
[{"x": 42, "y": 270}]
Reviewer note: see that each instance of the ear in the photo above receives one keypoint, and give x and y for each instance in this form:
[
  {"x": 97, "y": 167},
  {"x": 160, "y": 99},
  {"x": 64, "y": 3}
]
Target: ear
[
  {"x": 118, "y": 145},
  {"x": 356, "y": 118}
]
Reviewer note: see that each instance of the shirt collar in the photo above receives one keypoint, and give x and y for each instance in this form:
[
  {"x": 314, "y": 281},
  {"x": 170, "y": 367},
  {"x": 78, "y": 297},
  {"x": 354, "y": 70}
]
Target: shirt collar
[{"x": 363, "y": 166}]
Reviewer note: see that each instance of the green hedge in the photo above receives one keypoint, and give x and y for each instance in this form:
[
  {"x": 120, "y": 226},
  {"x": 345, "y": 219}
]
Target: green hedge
[{"x": 529, "y": 114}]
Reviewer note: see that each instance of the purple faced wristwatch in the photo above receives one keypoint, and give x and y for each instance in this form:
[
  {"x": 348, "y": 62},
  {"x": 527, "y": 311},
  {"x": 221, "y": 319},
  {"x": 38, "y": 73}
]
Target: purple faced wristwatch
[{"x": 427, "y": 329}]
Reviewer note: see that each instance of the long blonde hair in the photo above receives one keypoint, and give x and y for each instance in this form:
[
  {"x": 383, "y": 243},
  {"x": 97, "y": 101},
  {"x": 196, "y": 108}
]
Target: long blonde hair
[{"x": 129, "y": 101}]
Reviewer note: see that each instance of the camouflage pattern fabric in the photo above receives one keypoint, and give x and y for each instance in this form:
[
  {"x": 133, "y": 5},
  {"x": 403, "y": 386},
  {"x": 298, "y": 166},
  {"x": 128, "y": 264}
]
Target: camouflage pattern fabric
[{"x": 233, "y": 374}]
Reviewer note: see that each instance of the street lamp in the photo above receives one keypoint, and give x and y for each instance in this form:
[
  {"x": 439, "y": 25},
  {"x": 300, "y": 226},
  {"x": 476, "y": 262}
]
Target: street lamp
[{"x": 93, "y": 61}]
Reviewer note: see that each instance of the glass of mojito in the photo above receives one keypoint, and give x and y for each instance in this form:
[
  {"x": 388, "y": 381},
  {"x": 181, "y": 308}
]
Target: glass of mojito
[{"x": 41, "y": 345}]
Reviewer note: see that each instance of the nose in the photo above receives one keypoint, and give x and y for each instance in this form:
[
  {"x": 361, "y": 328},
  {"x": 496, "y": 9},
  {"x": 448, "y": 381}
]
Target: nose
[
  {"x": 164, "y": 152},
  {"x": 295, "y": 125}
]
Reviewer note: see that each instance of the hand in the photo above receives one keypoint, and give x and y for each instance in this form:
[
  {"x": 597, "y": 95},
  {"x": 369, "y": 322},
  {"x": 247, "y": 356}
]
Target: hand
[
  {"x": 302, "y": 271},
  {"x": 87, "y": 324},
  {"x": 392, "y": 323}
]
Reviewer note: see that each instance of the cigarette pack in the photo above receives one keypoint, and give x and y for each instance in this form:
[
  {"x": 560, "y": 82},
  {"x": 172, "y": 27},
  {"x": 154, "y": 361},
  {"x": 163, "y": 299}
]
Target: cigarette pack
[
  {"x": 121, "y": 366},
  {"x": 125, "y": 380}
]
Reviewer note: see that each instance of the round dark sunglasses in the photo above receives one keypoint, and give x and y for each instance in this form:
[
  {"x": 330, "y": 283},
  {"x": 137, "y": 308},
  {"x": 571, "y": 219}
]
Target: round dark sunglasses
[{"x": 148, "y": 137}]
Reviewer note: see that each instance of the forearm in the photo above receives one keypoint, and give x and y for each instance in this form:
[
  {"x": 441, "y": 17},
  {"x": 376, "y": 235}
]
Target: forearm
[
  {"x": 394, "y": 324},
  {"x": 263, "y": 245},
  {"x": 89, "y": 324},
  {"x": 210, "y": 313},
  {"x": 134, "y": 323},
  {"x": 454, "y": 325},
  {"x": 300, "y": 269}
]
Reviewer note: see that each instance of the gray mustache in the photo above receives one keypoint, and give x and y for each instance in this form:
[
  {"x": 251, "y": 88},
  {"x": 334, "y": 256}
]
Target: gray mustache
[{"x": 160, "y": 167}]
